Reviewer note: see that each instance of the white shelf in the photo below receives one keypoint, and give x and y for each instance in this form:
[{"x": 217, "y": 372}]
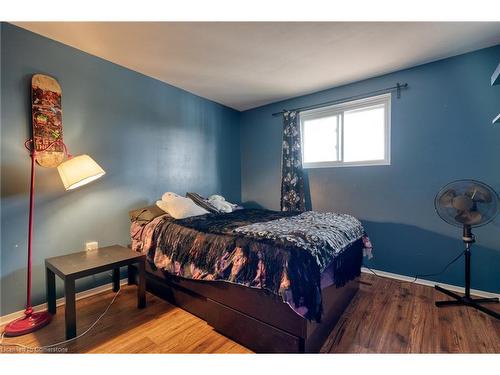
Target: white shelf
[
  {"x": 496, "y": 120},
  {"x": 495, "y": 78}
]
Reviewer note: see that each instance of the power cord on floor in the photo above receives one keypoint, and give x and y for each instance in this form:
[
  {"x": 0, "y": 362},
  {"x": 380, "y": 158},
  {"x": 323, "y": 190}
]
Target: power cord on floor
[
  {"x": 428, "y": 274},
  {"x": 41, "y": 348}
]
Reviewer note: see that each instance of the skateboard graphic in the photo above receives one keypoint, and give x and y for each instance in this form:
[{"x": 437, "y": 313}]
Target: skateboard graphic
[{"x": 47, "y": 120}]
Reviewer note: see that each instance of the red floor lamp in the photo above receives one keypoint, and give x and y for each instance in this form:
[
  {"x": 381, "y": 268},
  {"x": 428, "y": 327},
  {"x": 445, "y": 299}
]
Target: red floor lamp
[{"x": 74, "y": 172}]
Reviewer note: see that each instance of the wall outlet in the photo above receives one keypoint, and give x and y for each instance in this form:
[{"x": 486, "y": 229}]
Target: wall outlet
[{"x": 92, "y": 245}]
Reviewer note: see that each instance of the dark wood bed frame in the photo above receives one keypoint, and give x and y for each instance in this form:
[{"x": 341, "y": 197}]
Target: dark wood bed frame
[{"x": 255, "y": 318}]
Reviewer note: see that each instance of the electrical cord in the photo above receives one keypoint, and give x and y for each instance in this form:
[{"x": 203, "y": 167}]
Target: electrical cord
[
  {"x": 41, "y": 348},
  {"x": 416, "y": 277}
]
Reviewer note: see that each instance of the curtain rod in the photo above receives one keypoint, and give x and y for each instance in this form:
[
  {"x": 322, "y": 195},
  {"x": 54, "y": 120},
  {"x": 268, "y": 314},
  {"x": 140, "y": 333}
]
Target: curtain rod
[{"x": 398, "y": 88}]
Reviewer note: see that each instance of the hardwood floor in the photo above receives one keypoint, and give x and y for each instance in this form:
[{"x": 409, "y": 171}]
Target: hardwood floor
[
  {"x": 386, "y": 316},
  {"x": 390, "y": 316}
]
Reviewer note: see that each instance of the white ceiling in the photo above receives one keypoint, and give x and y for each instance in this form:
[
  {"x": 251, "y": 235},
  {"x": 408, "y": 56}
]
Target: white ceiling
[{"x": 249, "y": 64}]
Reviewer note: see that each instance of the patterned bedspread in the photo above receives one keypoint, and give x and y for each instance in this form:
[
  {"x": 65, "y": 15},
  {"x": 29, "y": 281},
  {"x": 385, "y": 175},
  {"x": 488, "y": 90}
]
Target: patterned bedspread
[
  {"x": 323, "y": 235},
  {"x": 286, "y": 253}
]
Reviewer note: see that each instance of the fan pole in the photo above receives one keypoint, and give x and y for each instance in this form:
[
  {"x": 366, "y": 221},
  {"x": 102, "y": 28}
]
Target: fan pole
[
  {"x": 468, "y": 239},
  {"x": 467, "y": 300}
]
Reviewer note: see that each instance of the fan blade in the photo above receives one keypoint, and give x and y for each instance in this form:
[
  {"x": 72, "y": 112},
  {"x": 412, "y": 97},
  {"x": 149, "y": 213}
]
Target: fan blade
[
  {"x": 476, "y": 218},
  {"x": 446, "y": 199},
  {"x": 469, "y": 217},
  {"x": 462, "y": 203},
  {"x": 479, "y": 194}
]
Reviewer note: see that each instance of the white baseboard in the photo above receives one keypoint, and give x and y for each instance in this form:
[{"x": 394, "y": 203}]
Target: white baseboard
[
  {"x": 454, "y": 288},
  {"x": 84, "y": 294}
]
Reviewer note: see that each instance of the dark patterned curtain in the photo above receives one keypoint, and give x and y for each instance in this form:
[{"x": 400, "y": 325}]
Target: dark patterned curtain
[{"x": 292, "y": 177}]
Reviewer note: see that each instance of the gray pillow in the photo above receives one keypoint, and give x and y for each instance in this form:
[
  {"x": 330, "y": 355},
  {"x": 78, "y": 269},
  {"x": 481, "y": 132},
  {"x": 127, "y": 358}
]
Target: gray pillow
[
  {"x": 202, "y": 202},
  {"x": 146, "y": 213}
]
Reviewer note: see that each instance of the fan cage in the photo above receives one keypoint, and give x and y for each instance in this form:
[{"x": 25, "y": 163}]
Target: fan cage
[{"x": 463, "y": 185}]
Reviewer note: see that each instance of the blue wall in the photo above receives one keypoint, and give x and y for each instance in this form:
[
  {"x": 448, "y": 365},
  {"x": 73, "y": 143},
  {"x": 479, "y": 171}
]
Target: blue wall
[
  {"x": 149, "y": 137},
  {"x": 441, "y": 131}
]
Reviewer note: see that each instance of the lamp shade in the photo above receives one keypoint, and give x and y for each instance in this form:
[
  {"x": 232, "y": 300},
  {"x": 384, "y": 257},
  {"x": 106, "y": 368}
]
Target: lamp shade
[{"x": 78, "y": 171}]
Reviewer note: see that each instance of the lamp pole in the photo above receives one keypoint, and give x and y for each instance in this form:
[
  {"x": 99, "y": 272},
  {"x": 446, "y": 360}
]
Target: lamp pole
[
  {"x": 31, "y": 321},
  {"x": 29, "y": 309}
]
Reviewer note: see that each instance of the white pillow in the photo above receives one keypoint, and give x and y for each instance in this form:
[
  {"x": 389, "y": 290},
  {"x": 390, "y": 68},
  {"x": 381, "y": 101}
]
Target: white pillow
[
  {"x": 162, "y": 205},
  {"x": 180, "y": 207},
  {"x": 168, "y": 196},
  {"x": 219, "y": 202}
]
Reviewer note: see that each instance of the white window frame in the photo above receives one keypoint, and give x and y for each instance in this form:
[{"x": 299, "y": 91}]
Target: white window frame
[{"x": 338, "y": 110}]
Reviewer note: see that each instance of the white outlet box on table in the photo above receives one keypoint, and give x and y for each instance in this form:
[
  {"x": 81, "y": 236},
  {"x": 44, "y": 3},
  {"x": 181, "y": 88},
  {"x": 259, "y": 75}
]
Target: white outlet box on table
[{"x": 91, "y": 245}]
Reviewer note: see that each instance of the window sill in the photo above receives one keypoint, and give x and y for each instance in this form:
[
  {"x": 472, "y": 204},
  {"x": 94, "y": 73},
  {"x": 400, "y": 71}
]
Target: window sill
[{"x": 343, "y": 165}]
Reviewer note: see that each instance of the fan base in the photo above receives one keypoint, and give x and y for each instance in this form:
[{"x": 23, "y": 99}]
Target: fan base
[{"x": 467, "y": 301}]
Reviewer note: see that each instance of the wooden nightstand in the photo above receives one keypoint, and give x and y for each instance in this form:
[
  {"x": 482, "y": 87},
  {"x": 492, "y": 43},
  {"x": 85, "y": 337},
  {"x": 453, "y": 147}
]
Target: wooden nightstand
[{"x": 74, "y": 266}]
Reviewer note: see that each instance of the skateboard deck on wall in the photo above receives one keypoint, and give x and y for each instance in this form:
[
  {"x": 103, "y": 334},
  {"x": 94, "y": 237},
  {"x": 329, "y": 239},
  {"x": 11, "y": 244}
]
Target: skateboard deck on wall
[{"x": 46, "y": 113}]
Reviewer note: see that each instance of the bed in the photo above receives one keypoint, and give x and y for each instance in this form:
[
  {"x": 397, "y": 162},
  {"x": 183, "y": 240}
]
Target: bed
[{"x": 272, "y": 281}]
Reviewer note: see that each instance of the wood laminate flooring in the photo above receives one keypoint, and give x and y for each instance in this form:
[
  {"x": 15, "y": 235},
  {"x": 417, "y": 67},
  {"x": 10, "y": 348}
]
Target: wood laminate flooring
[{"x": 386, "y": 316}]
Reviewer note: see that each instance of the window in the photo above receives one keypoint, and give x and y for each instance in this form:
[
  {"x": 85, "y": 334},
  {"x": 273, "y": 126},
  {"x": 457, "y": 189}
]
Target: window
[{"x": 355, "y": 133}]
